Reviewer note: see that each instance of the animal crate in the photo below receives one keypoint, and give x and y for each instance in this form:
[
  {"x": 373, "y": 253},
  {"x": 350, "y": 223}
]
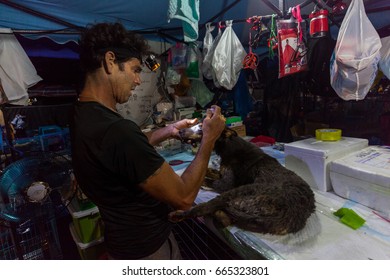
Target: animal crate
[{"x": 30, "y": 237}]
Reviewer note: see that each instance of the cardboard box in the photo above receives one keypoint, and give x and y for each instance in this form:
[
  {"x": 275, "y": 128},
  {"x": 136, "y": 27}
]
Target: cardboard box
[
  {"x": 240, "y": 129},
  {"x": 87, "y": 223},
  {"x": 310, "y": 158},
  {"x": 185, "y": 113},
  {"x": 364, "y": 177}
]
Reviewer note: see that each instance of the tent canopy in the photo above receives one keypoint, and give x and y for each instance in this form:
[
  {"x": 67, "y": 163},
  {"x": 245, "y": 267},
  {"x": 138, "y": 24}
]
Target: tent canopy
[{"x": 62, "y": 20}]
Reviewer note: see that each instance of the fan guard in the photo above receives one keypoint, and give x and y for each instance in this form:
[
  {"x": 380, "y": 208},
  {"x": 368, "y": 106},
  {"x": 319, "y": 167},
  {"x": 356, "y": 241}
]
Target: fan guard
[{"x": 32, "y": 179}]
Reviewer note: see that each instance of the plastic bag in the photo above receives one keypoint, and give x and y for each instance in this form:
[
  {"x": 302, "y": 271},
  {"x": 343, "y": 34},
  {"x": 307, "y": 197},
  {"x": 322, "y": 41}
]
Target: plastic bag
[
  {"x": 207, "y": 60},
  {"x": 179, "y": 56},
  {"x": 291, "y": 47},
  {"x": 194, "y": 59},
  {"x": 384, "y": 62},
  {"x": 212, "y": 50},
  {"x": 354, "y": 63},
  {"x": 228, "y": 57},
  {"x": 208, "y": 51},
  {"x": 201, "y": 93}
]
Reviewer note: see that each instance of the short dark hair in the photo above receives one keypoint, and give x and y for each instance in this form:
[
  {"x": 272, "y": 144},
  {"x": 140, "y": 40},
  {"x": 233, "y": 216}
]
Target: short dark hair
[{"x": 99, "y": 38}]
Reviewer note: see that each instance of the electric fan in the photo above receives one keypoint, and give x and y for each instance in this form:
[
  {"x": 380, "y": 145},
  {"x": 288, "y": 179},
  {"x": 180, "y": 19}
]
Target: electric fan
[{"x": 33, "y": 190}]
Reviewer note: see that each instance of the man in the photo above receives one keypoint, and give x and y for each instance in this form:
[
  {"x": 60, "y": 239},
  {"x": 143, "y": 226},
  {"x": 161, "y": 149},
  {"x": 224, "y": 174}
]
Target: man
[{"x": 115, "y": 163}]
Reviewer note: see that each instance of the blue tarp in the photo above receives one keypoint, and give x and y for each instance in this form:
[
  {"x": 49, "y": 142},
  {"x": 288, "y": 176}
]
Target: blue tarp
[{"x": 150, "y": 16}]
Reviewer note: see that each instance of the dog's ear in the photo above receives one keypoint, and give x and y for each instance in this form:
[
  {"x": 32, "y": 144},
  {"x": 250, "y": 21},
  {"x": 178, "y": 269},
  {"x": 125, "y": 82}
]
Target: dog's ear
[{"x": 229, "y": 133}]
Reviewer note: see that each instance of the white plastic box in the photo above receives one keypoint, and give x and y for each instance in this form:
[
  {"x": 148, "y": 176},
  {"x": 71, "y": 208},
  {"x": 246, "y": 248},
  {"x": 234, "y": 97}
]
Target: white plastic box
[
  {"x": 310, "y": 158},
  {"x": 364, "y": 177},
  {"x": 87, "y": 223}
]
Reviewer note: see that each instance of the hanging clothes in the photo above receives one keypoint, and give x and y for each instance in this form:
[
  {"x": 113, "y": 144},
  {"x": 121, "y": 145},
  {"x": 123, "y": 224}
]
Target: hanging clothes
[
  {"x": 243, "y": 102},
  {"x": 17, "y": 73},
  {"x": 188, "y": 12}
]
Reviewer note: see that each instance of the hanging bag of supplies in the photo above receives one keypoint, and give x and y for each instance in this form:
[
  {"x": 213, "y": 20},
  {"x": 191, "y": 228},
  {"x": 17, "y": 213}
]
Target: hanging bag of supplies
[
  {"x": 228, "y": 57},
  {"x": 354, "y": 62},
  {"x": 291, "y": 47}
]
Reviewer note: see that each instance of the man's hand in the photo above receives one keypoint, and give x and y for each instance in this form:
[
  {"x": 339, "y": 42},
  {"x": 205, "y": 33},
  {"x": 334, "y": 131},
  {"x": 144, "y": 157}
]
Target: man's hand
[
  {"x": 185, "y": 123},
  {"x": 213, "y": 124}
]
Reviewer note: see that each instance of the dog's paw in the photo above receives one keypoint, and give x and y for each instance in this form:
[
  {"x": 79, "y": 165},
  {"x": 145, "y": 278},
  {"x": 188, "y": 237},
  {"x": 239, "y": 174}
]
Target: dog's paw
[
  {"x": 223, "y": 218},
  {"x": 176, "y": 216}
]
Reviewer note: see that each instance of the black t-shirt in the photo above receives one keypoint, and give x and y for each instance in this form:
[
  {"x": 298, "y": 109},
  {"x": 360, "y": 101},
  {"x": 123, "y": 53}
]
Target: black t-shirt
[{"x": 111, "y": 156}]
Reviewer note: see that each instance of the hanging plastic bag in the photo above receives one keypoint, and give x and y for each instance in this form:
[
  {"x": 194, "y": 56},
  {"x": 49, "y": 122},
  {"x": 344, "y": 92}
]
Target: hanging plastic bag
[
  {"x": 179, "y": 56},
  {"x": 200, "y": 91},
  {"x": 207, "y": 51},
  {"x": 207, "y": 61},
  {"x": 193, "y": 60},
  {"x": 354, "y": 63},
  {"x": 228, "y": 57},
  {"x": 291, "y": 46},
  {"x": 172, "y": 77},
  {"x": 212, "y": 51},
  {"x": 384, "y": 62}
]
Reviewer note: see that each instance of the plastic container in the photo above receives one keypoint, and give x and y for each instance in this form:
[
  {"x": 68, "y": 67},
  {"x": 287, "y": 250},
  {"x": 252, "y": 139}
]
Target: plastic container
[
  {"x": 310, "y": 158},
  {"x": 87, "y": 223},
  {"x": 94, "y": 250},
  {"x": 364, "y": 177}
]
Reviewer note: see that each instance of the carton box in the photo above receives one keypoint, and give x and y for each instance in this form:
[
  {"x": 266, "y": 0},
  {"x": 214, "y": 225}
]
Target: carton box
[
  {"x": 240, "y": 129},
  {"x": 310, "y": 158}
]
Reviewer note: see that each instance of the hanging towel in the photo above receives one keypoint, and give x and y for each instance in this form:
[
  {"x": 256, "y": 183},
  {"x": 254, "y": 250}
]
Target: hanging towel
[
  {"x": 17, "y": 73},
  {"x": 188, "y": 12}
]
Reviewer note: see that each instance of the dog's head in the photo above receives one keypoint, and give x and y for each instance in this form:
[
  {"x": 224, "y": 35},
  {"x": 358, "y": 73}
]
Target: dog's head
[{"x": 221, "y": 145}]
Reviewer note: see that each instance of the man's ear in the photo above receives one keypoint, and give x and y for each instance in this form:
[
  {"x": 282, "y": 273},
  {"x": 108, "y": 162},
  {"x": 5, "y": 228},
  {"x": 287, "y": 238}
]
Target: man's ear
[{"x": 109, "y": 61}]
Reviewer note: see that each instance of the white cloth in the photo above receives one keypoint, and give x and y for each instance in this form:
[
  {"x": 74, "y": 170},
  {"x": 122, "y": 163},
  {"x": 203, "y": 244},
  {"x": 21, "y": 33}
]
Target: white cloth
[{"x": 17, "y": 73}]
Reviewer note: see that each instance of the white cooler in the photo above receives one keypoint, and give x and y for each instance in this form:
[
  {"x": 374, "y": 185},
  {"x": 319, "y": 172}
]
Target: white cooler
[
  {"x": 364, "y": 177},
  {"x": 310, "y": 158}
]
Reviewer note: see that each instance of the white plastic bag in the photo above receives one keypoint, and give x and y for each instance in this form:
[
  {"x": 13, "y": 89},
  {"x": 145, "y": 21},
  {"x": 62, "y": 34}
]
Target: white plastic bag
[
  {"x": 208, "y": 59},
  {"x": 354, "y": 63},
  {"x": 384, "y": 62},
  {"x": 228, "y": 57},
  {"x": 207, "y": 51}
]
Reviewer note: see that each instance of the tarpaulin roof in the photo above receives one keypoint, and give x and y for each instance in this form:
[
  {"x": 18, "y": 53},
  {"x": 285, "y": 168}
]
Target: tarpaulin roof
[
  {"x": 62, "y": 20},
  {"x": 145, "y": 15}
]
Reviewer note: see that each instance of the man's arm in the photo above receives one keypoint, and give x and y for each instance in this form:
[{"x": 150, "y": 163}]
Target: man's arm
[
  {"x": 171, "y": 130},
  {"x": 181, "y": 191}
]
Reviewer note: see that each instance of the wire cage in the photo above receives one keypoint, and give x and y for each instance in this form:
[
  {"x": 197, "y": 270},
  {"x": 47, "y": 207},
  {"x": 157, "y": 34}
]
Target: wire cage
[
  {"x": 30, "y": 237},
  {"x": 197, "y": 242}
]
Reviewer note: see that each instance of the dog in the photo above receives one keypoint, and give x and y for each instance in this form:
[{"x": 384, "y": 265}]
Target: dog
[{"x": 256, "y": 193}]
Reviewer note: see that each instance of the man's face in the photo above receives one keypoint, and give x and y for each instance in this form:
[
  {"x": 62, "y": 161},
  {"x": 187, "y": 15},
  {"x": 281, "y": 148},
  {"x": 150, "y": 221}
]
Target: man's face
[{"x": 127, "y": 80}]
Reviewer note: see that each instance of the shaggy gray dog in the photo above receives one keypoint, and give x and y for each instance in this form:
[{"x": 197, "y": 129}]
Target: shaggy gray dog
[{"x": 256, "y": 192}]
